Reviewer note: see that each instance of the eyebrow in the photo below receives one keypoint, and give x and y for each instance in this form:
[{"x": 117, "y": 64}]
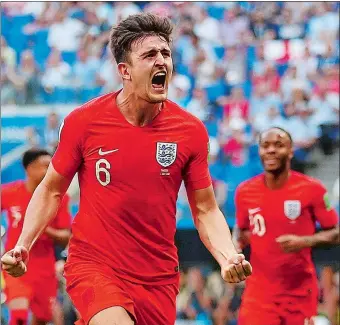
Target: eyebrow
[{"x": 156, "y": 50}]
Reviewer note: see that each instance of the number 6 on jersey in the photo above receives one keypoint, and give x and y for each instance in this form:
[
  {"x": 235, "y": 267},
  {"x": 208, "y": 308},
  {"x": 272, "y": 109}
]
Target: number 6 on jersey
[{"x": 100, "y": 170}]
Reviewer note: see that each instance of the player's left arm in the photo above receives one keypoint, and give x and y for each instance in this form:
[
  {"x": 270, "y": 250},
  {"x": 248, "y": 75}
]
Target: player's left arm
[
  {"x": 209, "y": 220},
  {"x": 326, "y": 215},
  {"x": 60, "y": 229},
  {"x": 215, "y": 234}
]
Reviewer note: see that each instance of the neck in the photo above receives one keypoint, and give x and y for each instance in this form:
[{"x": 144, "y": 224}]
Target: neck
[
  {"x": 275, "y": 181},
  {"x": 136, "y": 110},
  {"x": 31, "y": 185}
]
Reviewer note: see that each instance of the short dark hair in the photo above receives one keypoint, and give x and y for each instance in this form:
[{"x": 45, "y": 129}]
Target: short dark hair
[
  {"x": 277, "y": 128},
  {"x": 137, "y": 27},
  {"x": 32, "y": 155}
]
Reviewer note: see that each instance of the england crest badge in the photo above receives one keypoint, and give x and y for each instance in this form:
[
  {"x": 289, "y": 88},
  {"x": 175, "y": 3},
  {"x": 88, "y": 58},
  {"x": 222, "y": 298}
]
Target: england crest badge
[
  {"x": 292, "y": 209},
  {"x": 166, "y": 153}
]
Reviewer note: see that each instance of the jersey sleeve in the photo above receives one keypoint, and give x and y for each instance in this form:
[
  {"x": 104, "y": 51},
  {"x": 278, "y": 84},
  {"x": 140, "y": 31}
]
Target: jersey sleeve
[
  {"x": 196, "y": 174},
  {"x": 323, "y": 211},
  {"x": 63, "y": 218},
  {"x": 242, "y": 217},
  {"x": 4, "y": 198},
  {"x": 68, "y": 156}
]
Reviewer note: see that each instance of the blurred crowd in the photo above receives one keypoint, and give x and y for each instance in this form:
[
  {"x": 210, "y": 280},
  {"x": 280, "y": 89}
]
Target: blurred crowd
[{"x": 240, "y": 67}]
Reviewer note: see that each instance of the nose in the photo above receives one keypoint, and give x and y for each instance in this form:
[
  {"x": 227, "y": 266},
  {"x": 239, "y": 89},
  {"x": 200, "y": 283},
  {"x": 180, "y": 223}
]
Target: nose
[
  {"x": 160, "y": 61},
  {"x": 271, "y": 149}
]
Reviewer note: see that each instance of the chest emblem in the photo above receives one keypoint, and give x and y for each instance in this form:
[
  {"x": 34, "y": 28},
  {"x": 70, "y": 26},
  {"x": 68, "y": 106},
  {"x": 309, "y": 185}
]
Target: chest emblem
[
  {"x": 292, "y": 209},
  {"x": 166, "y": 153}
]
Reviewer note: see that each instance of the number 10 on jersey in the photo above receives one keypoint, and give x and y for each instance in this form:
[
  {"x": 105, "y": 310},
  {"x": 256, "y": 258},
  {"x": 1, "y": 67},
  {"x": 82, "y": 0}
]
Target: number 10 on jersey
[{"x": 257, "y": 221}]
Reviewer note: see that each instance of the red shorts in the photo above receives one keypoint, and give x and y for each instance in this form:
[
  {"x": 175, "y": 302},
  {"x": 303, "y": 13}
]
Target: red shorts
[
  {"x": 41, "y": 293},
  {"x": 93, "y": 288},
  {"x": 287, "y": 311}
]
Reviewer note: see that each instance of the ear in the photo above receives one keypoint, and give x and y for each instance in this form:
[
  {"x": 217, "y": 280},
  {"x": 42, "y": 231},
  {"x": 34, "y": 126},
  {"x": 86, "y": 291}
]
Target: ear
[
  {"x": 124, "y": 71},
  {"x": 291, "y": 153}
]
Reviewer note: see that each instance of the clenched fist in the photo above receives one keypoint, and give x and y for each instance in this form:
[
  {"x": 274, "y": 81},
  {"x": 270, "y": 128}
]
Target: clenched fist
[
  {"x": 14, "y": 262},
  {"x": 236, "y": 269}
]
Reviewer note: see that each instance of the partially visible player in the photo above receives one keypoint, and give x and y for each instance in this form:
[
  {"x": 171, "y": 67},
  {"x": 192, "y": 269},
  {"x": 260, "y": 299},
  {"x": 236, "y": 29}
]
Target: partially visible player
[
  {"x": 276, "y": 213},
  {"x": 37, "y": 289},
  {"x": 132, "y": 150}
]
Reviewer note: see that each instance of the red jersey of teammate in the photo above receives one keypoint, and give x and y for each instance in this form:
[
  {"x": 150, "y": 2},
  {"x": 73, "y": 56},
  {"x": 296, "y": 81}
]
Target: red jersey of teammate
[
  {"x": 293, "y": 209},
  {"x": 14, "y": 200},
  {"x": 129, "y": 180}
]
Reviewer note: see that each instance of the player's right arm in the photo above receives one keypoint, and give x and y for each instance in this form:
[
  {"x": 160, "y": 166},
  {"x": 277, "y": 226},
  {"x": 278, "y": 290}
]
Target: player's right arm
[{"x": 47, "y": 197}]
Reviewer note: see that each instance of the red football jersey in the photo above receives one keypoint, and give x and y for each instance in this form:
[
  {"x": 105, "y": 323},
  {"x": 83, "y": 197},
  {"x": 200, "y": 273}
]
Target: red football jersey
[
  {"x": 268, "y": 214},
  {"x": 129, "y": 179},
  {"x": 14, "y": 201}
]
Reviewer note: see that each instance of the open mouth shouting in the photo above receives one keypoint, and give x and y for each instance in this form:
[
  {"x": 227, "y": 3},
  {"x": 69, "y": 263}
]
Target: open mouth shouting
[{"x": 158, "y": 81}]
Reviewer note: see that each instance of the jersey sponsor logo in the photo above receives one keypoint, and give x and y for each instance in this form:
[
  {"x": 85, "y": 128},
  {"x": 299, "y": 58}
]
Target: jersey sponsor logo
[
  {"x": 292, "y": 209},
  {"x": 103, "y": 153},
  {"x": 327, "y": 201},
  {"x": 166, "y": 153}
]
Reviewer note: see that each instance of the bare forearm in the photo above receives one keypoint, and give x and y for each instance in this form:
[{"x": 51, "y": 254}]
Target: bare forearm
[
  {"x": 60, "y": 236},
  {"x": 324, "y": 237},
  {"x": 40, "y": 211},
  {"x": 215, "y": 234}
]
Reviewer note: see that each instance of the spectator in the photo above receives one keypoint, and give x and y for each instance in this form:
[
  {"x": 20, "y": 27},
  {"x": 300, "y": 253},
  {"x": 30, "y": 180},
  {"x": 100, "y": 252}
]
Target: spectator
[
  {"x": 203, "y": 68},
  {"x": 270, "y": 77},
  {"x": 51, "y": 132},
  {"x": 67, "y": 29},
  {"x": 108, "y": 77},
  {"x": 7, "y": 54},
  {"x": 222, "y": 314},
  {"x": 261, "y": 100},
  {"x": 232, "y": 27},
  {"x": 30, "y": 78},
  {"x": 291, "y": 81},
  {"x": 324, "y": 24},
  {"x": 10, "y": 84},
  {"x": 304, "y": 133},
  {"x": 199, "y": 304},
  {"x": 85, "y": 69},
  {"x": 124, "y": 9},
  {"x": 306, "y": 66},
  {"x": 57, "y": 72},
  {"x": 207, "y": 28},
  {"x": 179, "y": 90},
  {"x": 234, "y": 66},
  {"x": 237, "y": 106},
  {"x": 235, "y": 149},
  {"x": 269, "y": 119},
  {"x": 329, "y": 58},
  {"x": 199, "y": 105},
  {"x": 33, "y": 138},
  {"x": 290, "y": 28},
  {"x": 258, "y": 24}
]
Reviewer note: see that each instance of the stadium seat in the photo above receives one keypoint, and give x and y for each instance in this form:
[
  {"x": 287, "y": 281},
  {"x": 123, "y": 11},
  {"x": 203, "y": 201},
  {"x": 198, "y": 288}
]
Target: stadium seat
[
  {"x": 5, "y": 25},
  {"x": 215, "y": 91},
  {"x": 216, "y": 12},
  {"x": 219, "y": 52},
  {"x": 18, "y": 22},
  {"x": 69, "y": 57}
]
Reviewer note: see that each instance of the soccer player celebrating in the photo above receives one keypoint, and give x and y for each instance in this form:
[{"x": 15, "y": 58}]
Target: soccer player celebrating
[
  {"x": 276, "y": 213},
  {"x": 37, "y": 289},
  {"x": 131, "y": 149}
]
